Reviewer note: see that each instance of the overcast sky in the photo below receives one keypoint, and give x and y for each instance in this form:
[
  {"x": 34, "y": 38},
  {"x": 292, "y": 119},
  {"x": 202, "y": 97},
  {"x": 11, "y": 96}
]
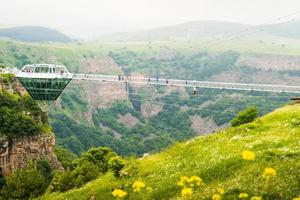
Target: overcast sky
[{"x": 89, "y": 18}]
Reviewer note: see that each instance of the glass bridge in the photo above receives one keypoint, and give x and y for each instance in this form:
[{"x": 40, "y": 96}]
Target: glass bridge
[{"x": 44, "y": 82}]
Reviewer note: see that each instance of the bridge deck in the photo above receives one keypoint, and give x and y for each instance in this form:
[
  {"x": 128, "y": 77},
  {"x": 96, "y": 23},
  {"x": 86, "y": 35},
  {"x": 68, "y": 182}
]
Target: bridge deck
[{"x": 189, "y": 83}]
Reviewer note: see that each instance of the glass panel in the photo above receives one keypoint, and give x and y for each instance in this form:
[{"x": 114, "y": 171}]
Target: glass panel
[{"x": 44, "y": 89}]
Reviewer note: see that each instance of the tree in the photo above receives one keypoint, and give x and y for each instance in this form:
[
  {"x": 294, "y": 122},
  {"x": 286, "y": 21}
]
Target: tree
[
  {"x": 99, "y": 156},
  {"x": 89, "y": 166},
  {"x": 245, "y": 116}
]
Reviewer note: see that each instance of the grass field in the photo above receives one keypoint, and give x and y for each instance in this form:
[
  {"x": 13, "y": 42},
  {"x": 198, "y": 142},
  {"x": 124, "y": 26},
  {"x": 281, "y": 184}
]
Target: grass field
[
  {"x": 251, "y": 44},
  {"x": 217, "y": 159}
]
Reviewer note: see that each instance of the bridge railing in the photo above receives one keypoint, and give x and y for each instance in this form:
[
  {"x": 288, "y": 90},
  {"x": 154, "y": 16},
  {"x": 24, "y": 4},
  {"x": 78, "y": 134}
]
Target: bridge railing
[{"x": 189, "y": 83}]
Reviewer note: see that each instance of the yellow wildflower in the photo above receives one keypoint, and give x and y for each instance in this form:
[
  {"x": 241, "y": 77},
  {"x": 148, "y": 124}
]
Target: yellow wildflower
[
  {"x": 138, "y": 185},
  {"x": 297, "y": 198},
  {"x": 182, "y": 181},
  {"x": 268, "y": 172},
  {"x": 243, "y": 195},
  {"x": 186, "y": 192},
  {"x": 118, "y": 193},
  {"x": 194, "y": 178},
  {"x": 256, "y": 198},
  {"x": 216, "y": 197},
  {"x": 221, "y": 191},
  {"x": 248, "y": 155},
  {"x": 199, "y": 183}
]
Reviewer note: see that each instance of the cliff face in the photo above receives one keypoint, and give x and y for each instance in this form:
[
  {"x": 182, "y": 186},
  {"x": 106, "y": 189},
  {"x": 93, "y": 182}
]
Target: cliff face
[
  {"x": 17, "y": 153},
  {"x": 12, "y": 86}
]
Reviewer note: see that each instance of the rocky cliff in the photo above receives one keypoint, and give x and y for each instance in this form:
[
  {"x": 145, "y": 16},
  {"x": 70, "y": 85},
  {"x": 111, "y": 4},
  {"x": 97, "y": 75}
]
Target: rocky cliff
[{"x": 17, "y": 153}]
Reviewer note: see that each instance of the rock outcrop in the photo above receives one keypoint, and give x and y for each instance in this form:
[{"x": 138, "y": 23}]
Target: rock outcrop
[
  {"x": 13, "y": 86},
  {"x": 17, "y": 153}
]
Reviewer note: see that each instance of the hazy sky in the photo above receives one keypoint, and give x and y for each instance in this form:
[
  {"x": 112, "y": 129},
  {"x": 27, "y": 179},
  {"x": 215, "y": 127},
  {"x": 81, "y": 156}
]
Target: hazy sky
[{"x": 88, "y": 18}]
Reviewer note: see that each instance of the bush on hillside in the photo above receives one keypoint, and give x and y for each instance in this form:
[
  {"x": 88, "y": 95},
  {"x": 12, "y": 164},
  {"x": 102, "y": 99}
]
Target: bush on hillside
[
  {"x": 245, "y": 116},
  {"x": 97, "y": 156},
  {"x": 27, "y": 182},
  {"x": 6, "y": 78},
  {"x": 116, "y": 164},
  {"x": 20, "y": 116},
  {"x": 65, "y": 157},
  {"x": 89, "y": 166}
]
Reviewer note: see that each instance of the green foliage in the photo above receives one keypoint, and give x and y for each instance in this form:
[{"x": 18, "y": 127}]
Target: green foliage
[
  {"x": 25, "y": 183},
  {"x": 45, "y": 168},
  {"x": 155, "y": 133},
  {"x": 18, "y": 54},
  {"x": 65, "y": 157},
  {"x": 7, "y": 78},
  {"x": 78, "y": 137},
  {"x": 145, "y": 136},
  {"x": 77, "y": 177},
  {"x": 2, "y": 182},
  {"x": 196, "y": 66},
  {"x": 20, "y": 116},
  {"x": 217, "y": 159},
  {"x": 245, "y": 116},
  {"x": 116, "y": 164},
  {"x": 97, "y": 156},
  {"x": 89, "y": 166}
]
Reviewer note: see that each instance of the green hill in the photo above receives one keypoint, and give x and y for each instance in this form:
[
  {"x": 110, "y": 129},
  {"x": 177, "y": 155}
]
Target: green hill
[
  {"x": 216, "y": 30},
  {"x": 34, "y": 34},
  {"x": 217, "y": 159},
  {"x": 288, "y": 29},
  {"x": 188, "y": 30}
]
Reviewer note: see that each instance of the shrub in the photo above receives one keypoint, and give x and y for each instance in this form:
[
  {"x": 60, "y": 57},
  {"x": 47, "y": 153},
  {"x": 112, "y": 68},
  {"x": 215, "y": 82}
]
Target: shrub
[
  {"x": 116, "y": 164},
  {"x": 24, "y": 183},
  {"x": 88, "y": 167},
  {"x": 45, "y": 168},
  {"x": 65, "y": 157},
  {"x": 20, "y": 116},
  {"x": 97, "y": 156},
  {"x": 245, "y": 116}
]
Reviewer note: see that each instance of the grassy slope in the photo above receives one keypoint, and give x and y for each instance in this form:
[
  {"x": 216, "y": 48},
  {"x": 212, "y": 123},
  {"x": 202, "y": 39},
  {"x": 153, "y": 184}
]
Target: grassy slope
[
  {"x": 217, "y": 159},
  {"x": 34, "y": 34},
  {"x": 18, "y": 54},
  {"x": 262, "y": 45}
]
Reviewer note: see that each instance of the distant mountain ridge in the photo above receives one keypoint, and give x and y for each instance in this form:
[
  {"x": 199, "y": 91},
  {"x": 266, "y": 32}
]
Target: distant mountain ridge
[
  {"x": 34, "y": 34},
  {"x": 206, "y": 28},
  {"x": 289, "y": 29}
]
